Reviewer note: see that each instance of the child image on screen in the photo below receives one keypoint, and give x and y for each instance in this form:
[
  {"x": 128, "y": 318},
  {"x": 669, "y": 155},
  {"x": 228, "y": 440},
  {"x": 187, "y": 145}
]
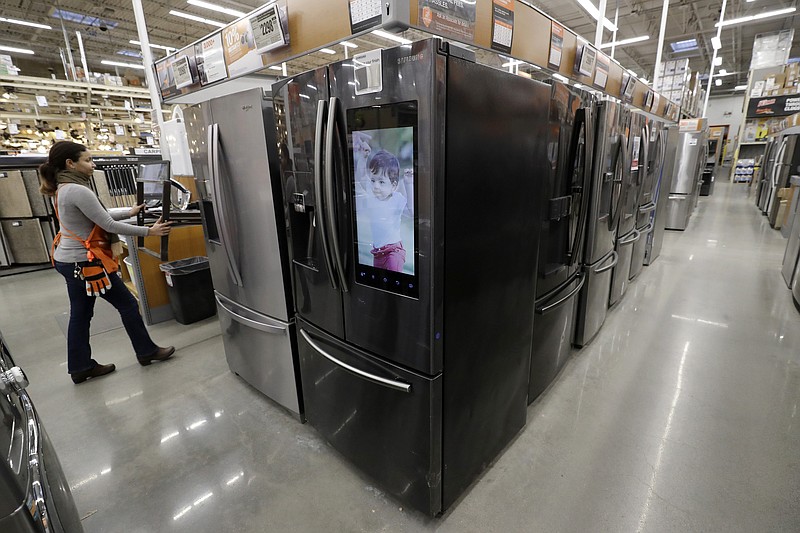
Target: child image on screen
[{"x": 380, "y": 202}]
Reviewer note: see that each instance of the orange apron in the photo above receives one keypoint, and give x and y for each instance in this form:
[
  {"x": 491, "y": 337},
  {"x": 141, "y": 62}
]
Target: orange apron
[{"x": 98, "y": 244}]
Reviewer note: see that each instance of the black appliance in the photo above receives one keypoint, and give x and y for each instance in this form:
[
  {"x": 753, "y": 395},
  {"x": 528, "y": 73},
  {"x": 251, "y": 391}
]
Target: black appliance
[
  {"x": 627, "y": 234},
  {"x": 414, "y": 369},
  {"x": 599, "y": 256}
]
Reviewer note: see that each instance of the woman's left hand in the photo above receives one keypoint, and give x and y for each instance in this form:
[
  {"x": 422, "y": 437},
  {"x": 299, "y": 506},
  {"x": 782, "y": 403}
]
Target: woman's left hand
[{"x": 135, "y": 210}]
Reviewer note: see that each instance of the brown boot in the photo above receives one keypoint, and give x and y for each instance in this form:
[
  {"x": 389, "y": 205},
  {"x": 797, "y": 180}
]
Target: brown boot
[
  {"x": 96, "y": 372},
  {"x": 161, "y": 354}
]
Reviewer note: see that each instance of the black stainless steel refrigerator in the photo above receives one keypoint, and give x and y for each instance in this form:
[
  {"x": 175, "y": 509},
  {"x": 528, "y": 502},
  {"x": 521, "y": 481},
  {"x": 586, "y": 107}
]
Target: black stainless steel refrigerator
[
  {"x": 413, "y": 220},
  {"x": 787, "y": 163},
  {"x": 627, "y": 234},
  {"x": 605, "y": 192},
  {"x": 648, "y": 193},
  {"x": 571, "y": 130},
  {"x": 656, "y": 237},
  {"x": 235, "y": 162}
]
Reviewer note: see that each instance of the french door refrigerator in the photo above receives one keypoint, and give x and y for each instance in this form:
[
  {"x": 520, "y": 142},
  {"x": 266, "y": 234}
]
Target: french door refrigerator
[
  {"x": 235, "y": 161},
  {"x": 571, "y": 130},
  {"x": 605, "y": 192},
  {"x": 648, "y": 194},
  {"x": 627, "y": 234},
  {"x": 770, "y": 151},
  {"x": 786, "y": 164},
  {"x": 414, "y": 235},
  {"x": 656, "y": 237}
]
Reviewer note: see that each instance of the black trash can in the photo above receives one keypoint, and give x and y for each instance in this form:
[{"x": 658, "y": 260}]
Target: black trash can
[{"x": 191, "y": 293}]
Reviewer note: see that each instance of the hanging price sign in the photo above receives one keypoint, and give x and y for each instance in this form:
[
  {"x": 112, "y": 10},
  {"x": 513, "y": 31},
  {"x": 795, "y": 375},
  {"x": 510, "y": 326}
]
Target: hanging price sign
[{"x": 267, "y": 30}]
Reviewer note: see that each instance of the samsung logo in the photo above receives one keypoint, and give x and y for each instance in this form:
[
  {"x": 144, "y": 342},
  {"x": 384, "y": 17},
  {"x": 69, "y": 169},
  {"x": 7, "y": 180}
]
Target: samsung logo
[{"x": 409, "y": 59}]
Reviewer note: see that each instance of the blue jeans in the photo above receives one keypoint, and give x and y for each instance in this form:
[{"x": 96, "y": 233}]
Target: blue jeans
[{"x": 81, "y": 310}]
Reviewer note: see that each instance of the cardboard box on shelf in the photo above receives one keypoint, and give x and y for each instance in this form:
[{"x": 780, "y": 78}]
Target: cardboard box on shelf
[
  {"x": 792, "y": 72},
  {"x": 670, "y": 68},
  {"x": 774, "y": 81},
  {"x": 786, "y": 92}
]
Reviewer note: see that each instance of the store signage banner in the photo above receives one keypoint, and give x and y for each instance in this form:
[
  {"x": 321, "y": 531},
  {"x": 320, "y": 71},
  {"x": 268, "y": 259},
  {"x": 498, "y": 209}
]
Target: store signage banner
[
  {"x": 556, "y": 45},
  {"x": 502, "y": 25},
  {"x": 449, "y": 18},
  {"x": 773, "y": 106}
]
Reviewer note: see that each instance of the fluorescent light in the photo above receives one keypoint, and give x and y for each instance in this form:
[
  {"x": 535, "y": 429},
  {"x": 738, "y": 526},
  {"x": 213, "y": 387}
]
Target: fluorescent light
[
  {"x": 717, "y": 61},
  {"x": 26, "y": 23},
  {"x": 196, "y": 18},
  {"x": 578, "y": 85},
  {"x": 716, "y": 43},
  {"x": 559, "y": 77},
  {"x": 348, "y": 44},
  {"x": 740, "y": 88},
  {"x": 276, "y": 67},
  {"x": 760, "y": 16},
  {"x": 626, "y": 41},
  {"x": 17, "y": 50},
  {"x": 121, "y": 64},
  {"x": 595, "y": 14},
  {"x": 215, "y": 7},
  {"x": 327, "y": 51},
  {"x": 391, "y": 36},
  {"x": 717, "y": 82},
  {"x": 158, "y": 46},
  {"x": 684, "y": 46}
]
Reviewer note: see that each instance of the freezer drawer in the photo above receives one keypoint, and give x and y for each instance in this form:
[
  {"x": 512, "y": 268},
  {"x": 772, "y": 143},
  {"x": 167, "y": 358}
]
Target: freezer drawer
[
  {"x": 620, "y": 274},
  {"x": 384, "y": 419},
  {"x": 259, "y": 349},
  {"x": 26, "y": 241},
  {"x": 637, "y": 254},
  {"x": 593, "y": 299},
  {"x": 13, "y": 196},
  {"x": 679, "y": 207}
]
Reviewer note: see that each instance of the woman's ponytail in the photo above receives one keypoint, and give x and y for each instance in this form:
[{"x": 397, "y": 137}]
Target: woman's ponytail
[{"x": 60, "y": 152}]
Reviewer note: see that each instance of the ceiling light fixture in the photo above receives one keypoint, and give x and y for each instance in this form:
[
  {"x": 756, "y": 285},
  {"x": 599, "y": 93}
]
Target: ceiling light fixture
[
  {"x": 740, "y": 88},
  {"x": 561, "y": 78},
  {"x": 17, "y": 50},
  {"x": 275, "y": 67},
  {"x": 197, "y": 19},
  {"x": 348, "y": 44},
  {"x": 760, "y": 16},
  {"x": 215, "y": 7},
  {"x": 327, "y": 51},
  {"x": 595, "y": 14},
  {"x": 121, "y": 64},
  {"x": 717, "y": 82},
  {"x": 391, "y": 36},
  {"x": 722, "y": 72},
  {"x": 26, "y": 23},
  {"x": 716, "y": 43},
  {"x": 717, "y": 61},
  {"x": 684, "y": 46},
  {"x": 168, "y": 49},
  {"x": 623, "y": 42}
]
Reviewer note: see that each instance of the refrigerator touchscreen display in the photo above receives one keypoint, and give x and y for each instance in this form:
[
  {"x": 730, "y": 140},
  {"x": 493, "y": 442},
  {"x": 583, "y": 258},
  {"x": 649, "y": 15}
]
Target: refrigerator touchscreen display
[{"x": 383, "y": 163}]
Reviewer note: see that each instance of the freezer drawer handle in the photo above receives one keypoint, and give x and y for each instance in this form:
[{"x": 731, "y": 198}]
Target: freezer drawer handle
[
  {"x": 609, "y": 266},
  {"x": 647, "y": 208},
  {"x": 565, "y": 299},
  {"x": 680, "y": 197},
  {"x": 268, "y": 328},
  {"x": 632, "y": 239},
  {"x": 397, "y": 385}
]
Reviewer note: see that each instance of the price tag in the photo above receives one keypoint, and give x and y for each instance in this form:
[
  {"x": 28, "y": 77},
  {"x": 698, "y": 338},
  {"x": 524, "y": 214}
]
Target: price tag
[
  {"x": 267, "y": 30},
  {"x": 181, "y": 72}
]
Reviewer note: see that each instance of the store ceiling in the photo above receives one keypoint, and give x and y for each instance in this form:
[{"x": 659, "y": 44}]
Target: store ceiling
[{"x": 108, "y": 26}]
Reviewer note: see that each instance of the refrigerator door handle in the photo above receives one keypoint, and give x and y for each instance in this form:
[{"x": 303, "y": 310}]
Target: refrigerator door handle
[
  {"x": 218, "y": 205},
  {"x": 610, "y": 265},
  {"x": 255, "y": 324},
  {"x": 565, "y": 299},
  {"x": 392, "y": 384},
  {"x": 680, "y": 197},
  {"x": 334, "y": 110},
  {"x": 321, "y": 206}
]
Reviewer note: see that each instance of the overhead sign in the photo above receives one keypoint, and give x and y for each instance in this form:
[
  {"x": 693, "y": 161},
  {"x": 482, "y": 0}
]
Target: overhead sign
[{"x": 778, "y": 106}]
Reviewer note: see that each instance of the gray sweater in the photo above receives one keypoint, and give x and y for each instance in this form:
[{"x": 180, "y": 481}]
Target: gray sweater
[{"x": 78, "y": 211}]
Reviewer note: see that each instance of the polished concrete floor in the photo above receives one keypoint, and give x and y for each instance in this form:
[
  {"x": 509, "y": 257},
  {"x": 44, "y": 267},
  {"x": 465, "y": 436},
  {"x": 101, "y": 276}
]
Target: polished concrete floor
[{"x": 680, "y": 416}]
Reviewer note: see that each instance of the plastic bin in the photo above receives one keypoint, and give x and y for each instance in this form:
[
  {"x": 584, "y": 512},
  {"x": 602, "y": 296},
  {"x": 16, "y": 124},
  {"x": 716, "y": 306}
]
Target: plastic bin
[{"x": 191, "y": 292}]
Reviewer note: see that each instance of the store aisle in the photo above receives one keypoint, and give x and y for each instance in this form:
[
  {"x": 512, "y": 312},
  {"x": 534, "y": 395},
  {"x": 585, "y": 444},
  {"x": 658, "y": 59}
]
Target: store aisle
[{"x": 680, "y": 416}]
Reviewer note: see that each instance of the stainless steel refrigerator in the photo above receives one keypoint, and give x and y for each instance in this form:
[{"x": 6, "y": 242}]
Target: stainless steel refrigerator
[
  {"x": 571, "y": 131},
  {"x": 792, "y": 252},
  {"x": 235, "y": 161},
  {"x": 685, "y": 185},
  {"x": 648, "y": 194},
  {"x": 627, "y": 234},
  {"x": 414, "y": 353},
  {"x": 763, "y": 186},
  {"x": 599, "y": 257},
  {"x": 656, "y": 237},
  {"x": 787, "y": 163}
]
